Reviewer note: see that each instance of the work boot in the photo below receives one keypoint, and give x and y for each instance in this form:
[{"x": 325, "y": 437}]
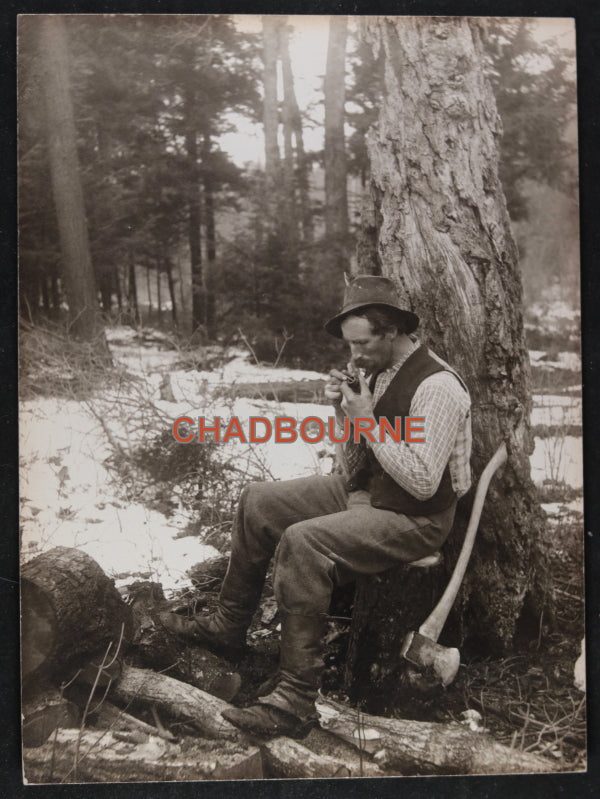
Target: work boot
[
  {"x": 289, "y": 709},
  {"x": 224, "y": 629}
]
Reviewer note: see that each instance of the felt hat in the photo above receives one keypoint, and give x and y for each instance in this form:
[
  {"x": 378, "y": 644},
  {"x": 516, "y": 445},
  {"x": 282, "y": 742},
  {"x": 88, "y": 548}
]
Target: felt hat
[{"x": 367, "y": 290}]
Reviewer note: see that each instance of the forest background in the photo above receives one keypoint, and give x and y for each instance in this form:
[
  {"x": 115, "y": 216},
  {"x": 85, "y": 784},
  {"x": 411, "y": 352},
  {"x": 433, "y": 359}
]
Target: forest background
[{"x": 178, "y": 186}]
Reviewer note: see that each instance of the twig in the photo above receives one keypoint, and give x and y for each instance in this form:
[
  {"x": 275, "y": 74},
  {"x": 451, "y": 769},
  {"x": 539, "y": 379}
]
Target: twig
[
  {"x": 247, "y": 343},
  {"x": 163, "y": 733},
  {"x": 103, "y": 665}
]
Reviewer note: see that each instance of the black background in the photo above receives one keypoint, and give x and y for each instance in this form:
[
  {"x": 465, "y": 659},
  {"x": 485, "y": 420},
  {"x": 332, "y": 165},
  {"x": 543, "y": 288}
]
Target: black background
[{"x": 587, "y": 18}]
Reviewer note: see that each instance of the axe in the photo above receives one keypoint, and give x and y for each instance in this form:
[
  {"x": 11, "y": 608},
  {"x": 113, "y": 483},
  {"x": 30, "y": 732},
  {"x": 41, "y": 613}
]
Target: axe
[{"x": 421, "y": 648}]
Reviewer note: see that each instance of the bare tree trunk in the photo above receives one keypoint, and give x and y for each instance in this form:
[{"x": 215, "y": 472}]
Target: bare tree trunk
[
  {"x": 132, "y": 297},
  {"x": 336, "y": 198},
  {"x": 66, "y": 183},
  {"x": 119, "y": 293},
  {"x": 55, "y": 293},
  {"x": 149, "y": 290},
  {"x": 169, "y": 272},
  {"x": 270, "y": 37},
  {"x": 289, "y": 109},
  {"x": 295, "y": 122},
  {"x": 211, "y": 242},
  {"x": 443, "y": 235},
  {"x": 194, "y": 218},
  {"x": 158, "y": 290}
]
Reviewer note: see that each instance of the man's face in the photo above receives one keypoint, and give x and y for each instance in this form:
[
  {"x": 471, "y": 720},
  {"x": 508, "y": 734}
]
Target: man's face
[{"x": 370, "y": 351}]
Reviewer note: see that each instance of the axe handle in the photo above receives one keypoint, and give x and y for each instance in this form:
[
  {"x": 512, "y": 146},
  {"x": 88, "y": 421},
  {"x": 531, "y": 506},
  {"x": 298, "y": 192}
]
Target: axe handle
[{"x": 432, "y": 626}]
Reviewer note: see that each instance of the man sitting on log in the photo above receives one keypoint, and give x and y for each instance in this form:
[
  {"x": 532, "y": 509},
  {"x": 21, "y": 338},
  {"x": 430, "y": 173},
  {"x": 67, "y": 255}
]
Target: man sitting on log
[{"x": 396, "y": 505}]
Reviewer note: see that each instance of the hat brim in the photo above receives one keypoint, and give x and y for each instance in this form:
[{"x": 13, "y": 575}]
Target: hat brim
[{"x": 410, "y": 320}]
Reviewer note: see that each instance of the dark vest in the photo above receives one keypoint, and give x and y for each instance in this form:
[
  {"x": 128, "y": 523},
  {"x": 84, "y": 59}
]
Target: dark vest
[{"x": 395, "y": 401}]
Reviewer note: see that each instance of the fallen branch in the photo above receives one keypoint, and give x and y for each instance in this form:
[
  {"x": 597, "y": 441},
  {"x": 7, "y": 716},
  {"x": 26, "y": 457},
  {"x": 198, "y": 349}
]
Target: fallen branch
[
  {"x": 290, "y": 759},
  {"x": 417, "y": 747},
  {"x": 178, "y": 699}
]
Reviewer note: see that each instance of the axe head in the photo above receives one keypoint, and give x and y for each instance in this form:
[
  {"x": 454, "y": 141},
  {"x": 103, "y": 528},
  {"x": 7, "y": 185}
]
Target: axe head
[{"x": 421, "y": 651}]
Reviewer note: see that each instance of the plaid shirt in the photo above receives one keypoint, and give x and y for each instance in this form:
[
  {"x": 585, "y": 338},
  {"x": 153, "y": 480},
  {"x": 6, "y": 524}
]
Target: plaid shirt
[{"x": 418, "y": 468}]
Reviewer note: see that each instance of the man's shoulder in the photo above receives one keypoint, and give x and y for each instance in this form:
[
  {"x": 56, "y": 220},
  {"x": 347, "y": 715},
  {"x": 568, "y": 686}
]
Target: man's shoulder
[{"x": 448, "y": 379}]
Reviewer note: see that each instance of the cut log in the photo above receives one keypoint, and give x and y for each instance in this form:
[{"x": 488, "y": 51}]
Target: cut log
[
  {"x": 287, "y": 758},
  {"x": 103, "y": 757},
  {"x": 70, "y": 609},
  {"x": 180, "y": 700},
  {"x": 417, "y": 747}
]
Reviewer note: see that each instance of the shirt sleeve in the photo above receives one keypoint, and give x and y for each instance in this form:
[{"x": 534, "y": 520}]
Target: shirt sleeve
[{"x": 418, "y": 467}]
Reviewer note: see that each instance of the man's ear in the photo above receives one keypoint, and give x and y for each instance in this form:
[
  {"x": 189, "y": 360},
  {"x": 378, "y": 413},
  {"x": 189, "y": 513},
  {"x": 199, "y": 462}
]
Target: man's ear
[{"x": 391, "y": 333}]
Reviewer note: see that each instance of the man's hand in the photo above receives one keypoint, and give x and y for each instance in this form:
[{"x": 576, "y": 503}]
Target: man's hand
[
  {"x": 357, "y": 405},
  {"x": 333, "y": 390}
]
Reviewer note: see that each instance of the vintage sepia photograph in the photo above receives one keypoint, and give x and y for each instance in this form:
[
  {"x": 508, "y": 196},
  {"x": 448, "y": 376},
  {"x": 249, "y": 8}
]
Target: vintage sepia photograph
[{"x": 300, "y": 397}]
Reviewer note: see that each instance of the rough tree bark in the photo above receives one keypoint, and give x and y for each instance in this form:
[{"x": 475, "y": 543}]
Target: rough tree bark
[
  {"x": 336, "y": 199},
  {"x": 70, "y": 610},
  {"x": 420, "y": 747},
  {"x": 443, "y": 234},
  {"x": 66, "y": 183}
]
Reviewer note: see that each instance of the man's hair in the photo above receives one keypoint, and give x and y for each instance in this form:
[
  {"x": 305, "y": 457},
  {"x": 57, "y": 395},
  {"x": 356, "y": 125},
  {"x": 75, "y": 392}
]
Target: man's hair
[{"x": 381, "y": 318}]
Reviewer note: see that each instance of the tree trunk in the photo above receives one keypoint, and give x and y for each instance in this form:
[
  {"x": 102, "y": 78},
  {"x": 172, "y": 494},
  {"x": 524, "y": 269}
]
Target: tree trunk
[
  {"x": 295, "y": 122},
  {"x": 211, "y": 240},
  {"x": 386, "y": 608},
  {"x": 149, "y": 291},
  {"x": 270, "y": 38},
  {"x": 336, "y": 199},
  {"x": 419, "y": 747},
  {"x": 194, "y": 214},
  {"x": 158, "y": 290},
  {"x": 443, "y": 235},
  {"x": 290, "y": 220},
  {"x": 132, "y": 298},
  {"x": 169, "y": 272},
  {"x": 66, "y": 183},
  {"x": 70, "y": 609}
]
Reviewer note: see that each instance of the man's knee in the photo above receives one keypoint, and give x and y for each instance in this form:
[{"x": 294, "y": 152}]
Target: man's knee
[
  {"x": 259, "y": 500},
  {"x": 300, "y": 544}
]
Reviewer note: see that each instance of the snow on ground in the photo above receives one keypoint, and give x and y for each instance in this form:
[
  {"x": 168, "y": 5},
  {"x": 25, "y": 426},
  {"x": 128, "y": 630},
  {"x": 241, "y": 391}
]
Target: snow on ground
[
  {"x": 558, "y": 511},
  {"x": 71, "y": 497},
  {"x": 564, "y": 360},
  {"x": 556, "y": 410},
  {"x": 558, "y": 458}
]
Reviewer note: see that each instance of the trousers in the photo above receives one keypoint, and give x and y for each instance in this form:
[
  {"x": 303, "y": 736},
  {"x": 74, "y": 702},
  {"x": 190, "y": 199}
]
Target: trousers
[{"x": 322, "y": 536}]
